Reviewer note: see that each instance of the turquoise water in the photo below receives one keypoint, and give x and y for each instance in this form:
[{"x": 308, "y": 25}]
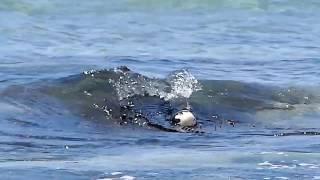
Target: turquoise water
[{"x": 256, "y": 61}]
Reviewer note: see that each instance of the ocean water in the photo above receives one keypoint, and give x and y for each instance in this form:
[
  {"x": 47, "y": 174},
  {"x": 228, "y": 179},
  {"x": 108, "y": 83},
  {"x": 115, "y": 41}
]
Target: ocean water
[{"x": 70, "y": 70}]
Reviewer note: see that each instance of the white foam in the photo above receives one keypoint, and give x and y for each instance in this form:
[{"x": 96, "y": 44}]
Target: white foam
[
  {"x": 266, "y": 163},
  {"x": 282, "y": 177},
  {"x": 276, "y": 166},
  {"x": 126, "y": 177},
  {"x": 265, "y": 152},
  {"x": 306, "y": 164},
  {"x": 116, "y": 173},
  {"x": 313, "y": 167}
]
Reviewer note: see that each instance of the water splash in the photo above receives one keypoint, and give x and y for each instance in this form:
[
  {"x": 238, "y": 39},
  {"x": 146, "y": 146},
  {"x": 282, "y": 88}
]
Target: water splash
[
  {"x": 183, "y": 84},
  {"x": 132, "y": 84},
  {"x": 180, "y": 84}
]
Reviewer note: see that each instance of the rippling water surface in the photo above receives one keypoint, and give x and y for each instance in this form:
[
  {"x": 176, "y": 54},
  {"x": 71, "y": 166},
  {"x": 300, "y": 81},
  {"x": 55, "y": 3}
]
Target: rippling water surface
[{"x": 248, "y": 68}]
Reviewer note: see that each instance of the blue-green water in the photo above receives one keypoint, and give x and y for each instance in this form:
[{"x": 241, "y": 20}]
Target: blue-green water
[{"x": 256, "y": 61}]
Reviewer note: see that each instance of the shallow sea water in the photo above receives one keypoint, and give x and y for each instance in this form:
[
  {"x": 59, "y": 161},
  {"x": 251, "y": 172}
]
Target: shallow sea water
[{"x": 257, "y": 60}]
